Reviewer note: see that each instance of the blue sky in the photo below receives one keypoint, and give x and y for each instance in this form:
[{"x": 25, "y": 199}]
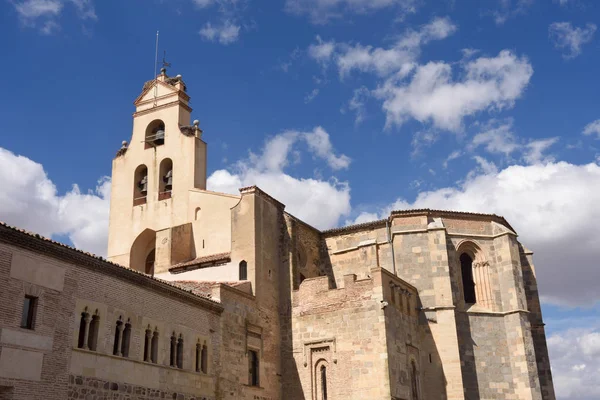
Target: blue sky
[{"x": 342, "y": 109}]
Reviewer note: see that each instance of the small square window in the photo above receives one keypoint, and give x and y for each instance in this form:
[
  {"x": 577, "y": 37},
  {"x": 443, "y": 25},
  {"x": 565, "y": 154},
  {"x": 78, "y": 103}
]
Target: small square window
[{"x": 29, "y": 310}]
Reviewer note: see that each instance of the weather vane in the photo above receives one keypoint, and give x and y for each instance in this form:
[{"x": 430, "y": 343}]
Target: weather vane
[{"x": 165, "y": 64}]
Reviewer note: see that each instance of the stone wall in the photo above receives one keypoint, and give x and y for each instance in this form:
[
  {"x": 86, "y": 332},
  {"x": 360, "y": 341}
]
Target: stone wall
[
  {"x": 343, "y": 330},
  {"x": 84, "y": 388}
]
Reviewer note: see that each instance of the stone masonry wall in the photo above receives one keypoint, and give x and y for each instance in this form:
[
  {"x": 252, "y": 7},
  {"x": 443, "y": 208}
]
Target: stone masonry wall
[{"x": 344, "y": 330}]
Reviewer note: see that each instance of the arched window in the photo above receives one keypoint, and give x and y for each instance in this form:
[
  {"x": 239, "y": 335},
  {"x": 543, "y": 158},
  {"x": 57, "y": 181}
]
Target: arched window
[
  {"x": 204, "y": 359},
  {"x": 198, "y": 351},
  {"x": 172, "y": 356},
  {"x": 180, "y": 352},
  {"x": 165, "y": 183},
  {"x": 147, "y": 344},
  {"x": 323, "y": 382},
  {"x": 93, "y": 331},
  {"x": 149, "y": 269},
  {"x": 117, "y": 341},
  {"x": 154, "y": 353},
  {"x": 414, "y": 381},
  {"x": 466, "y": 265},
  {"x": 197, "y": 214},
  {"x": 155, "y": 134},
  {"x": 140, "y": 185},
  {"x": 82, "y": 327},
  {"x": 126, "y": 339},
  {"x": 243, "y": 270}
]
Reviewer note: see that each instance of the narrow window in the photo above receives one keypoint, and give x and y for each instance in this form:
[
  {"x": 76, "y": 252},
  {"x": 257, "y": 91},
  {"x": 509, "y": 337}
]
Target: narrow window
[
  {"x": 140, "y": 187},
  {"x": 204, "y": 359},
  {"x": 198, "y": 351},
  {"x": 414, "y": 382},
  {"x": 82, "y": 325},
  {"x": 466, "y": 264},
  {"x": 93, "y": 331},
  {"x": 172, "y": 357},
  {"x": 116, "y": 344},
  {"x": 323, "y": 382},
  {"x": 253, "y": 368},
  {"x": 154, "y": 354},
  {"x": 147, "y": 344},
  {"x": 29, "y": 309},
  {"x": 126, "y": 339},
  {"x": 243, "y": 270},
  {"x": 180, "y": 352},
  {"x": 165, "y": 184}
]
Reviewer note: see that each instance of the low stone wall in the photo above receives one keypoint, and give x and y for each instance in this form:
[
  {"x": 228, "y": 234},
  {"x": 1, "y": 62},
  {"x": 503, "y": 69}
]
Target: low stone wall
[{"x": 83, "y": 388}]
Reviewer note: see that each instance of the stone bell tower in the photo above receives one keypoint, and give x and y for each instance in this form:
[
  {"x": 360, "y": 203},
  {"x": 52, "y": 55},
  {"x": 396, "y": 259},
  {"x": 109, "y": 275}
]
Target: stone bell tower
[{"x": 153, "y": 174}]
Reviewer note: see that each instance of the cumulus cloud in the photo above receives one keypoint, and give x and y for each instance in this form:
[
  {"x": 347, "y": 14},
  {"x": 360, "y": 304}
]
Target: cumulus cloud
[
  {"x": 398, "y": 59},
  {"x": 316, "y": 201},
  {"x": 506, "y": 9},
  {"x": 322, "y": 11},
  {"x": 553, "y": 207},
  {"x": 225, "y": 33},
  {"x": 534, "y": 150},
  {"x": 44, "y": 14},
  {"x": 434, "y": 95},
  {"x": 593, "y": 128},
  {"x": 30, "y": 200},
  {"x": 575, "y": 355},
  {"x": 496, "y": 138},
  {"x": 570, "y": 39}
]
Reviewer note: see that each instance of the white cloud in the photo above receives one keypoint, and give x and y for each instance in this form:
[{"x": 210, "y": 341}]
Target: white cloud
[
  {"x": 433, "y": 95},
  {"x": 593, "y": 128},
  {"x": 534, "y": 150},
  {"x": 575, "y": 357},
  {"x": 45, "y": 13},
  {"x": 398, "y": 59},
  {"x": 318, "y": 202},
  {"x": 452, "y": 156},
  {"x": 496, "y": 138},
  {"x": 225, "y": 33},
  {"x": 553, "y": 207},
  {"x": 507, "y": 9},
  {"x": 569, "y": 39},
  {"x": 357, "y": 104},
  {"x": 311, "y": 96},
  {"x": 30, "y": 200},
  {"x": 321, "y": 11}
]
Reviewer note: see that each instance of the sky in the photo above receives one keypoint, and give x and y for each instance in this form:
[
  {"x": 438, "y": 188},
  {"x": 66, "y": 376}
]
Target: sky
[{"x": 342, "y": 109}]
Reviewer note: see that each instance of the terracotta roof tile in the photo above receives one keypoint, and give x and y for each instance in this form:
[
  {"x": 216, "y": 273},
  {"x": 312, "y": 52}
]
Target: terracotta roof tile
[{"x": 201, "y": 262}]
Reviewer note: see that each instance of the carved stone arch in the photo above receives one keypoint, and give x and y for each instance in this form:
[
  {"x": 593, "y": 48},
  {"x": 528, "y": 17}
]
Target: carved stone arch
[
  {"x": 475, "y": 280},
  {"x": 322, "y": 380}
]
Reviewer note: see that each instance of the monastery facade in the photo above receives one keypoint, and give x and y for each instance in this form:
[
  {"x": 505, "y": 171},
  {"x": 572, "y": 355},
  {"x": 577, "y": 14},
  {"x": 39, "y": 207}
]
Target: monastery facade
[{"x": 208, "y": 296}]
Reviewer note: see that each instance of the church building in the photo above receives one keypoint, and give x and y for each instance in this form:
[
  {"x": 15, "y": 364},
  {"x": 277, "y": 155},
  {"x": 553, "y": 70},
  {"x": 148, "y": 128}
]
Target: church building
[{"x": 213, "y": 296}]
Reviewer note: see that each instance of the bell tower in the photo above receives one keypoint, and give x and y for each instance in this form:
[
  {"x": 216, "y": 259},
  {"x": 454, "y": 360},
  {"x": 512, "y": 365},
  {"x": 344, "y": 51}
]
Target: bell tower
[{"x": 153, "y": 174}]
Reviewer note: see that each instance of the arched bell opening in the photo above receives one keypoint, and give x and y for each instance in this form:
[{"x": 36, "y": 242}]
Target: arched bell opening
[
  {"x": 140, "y": 185},
  {"x": 155, "y": 134},
  {"x": 142, "y": 255},
  {"x": 165, "y": 184},
  {"x": 475, "y": 275}
]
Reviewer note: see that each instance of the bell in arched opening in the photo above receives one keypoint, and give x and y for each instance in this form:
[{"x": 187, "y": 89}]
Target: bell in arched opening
[
  {"x": 159, "y": 134},
  {"x": 143, "y": 185},
  {"x": 168, "y": 180}
]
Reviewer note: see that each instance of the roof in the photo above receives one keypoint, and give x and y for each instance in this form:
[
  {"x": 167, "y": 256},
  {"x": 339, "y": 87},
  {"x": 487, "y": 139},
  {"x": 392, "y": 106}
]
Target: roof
[
  {"x": 201, "y": 262},
  {"x": 204, "y": 288},
  {"x": 418, "y": 211},
  {"x": 48, "y": 247}
]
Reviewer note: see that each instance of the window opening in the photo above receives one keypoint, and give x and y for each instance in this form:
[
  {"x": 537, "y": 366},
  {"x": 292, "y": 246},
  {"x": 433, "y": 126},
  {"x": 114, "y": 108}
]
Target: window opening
[
  {"x": 165, "y": 185},
  {"x": 198, "y": 351},
  {"x": 253, "y": 368},
  {"x": 243, "y": 270},
  {"x": 117, "y": 341},
  {"x": 466, "y": 264},
  {"x": 29, "y": 310},
  {"x": 413, "y": 382},
  {"x": 154, "y": 353},
  {"x": 172, "y": 357},
  {"x": 93, "y": 331},
  {"x": 323, "y": 382},
  {"x": 180, "y": 352},
  {"x": 82, "y": 328},
  {"x": 126, "y": 339},
  {"x": 204, "y": 359},
  {"x": 147, "y": 344}
]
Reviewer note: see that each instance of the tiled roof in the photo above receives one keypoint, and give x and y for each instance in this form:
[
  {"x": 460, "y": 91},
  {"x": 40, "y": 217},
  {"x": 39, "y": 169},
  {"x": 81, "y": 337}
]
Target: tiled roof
[
  {"x": 51, "y": 248},
  {"x": 204, "y": 288},
  {"x": 201, "y": 262},
  {"x": 420, "y": 211}
]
